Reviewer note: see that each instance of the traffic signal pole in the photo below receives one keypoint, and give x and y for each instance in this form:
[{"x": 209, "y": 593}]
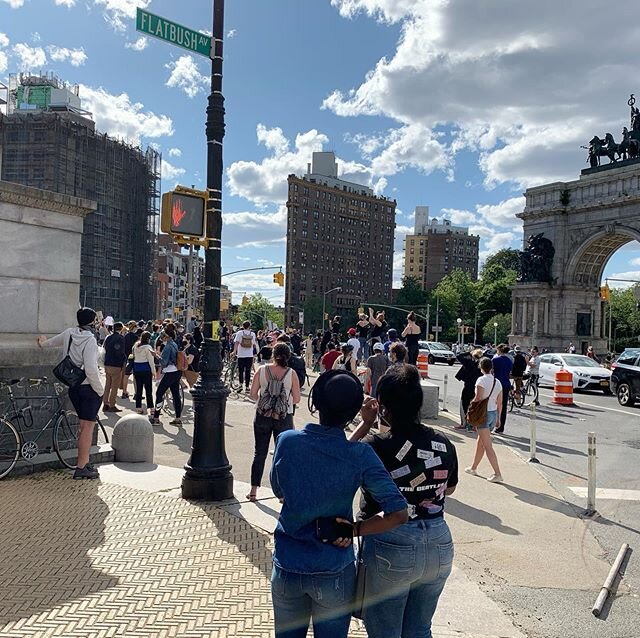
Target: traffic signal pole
[{"x": 208, "y": 471}]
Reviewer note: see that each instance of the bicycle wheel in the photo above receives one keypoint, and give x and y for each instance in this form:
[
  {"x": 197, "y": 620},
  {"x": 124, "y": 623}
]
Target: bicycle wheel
[
  {"x": 233, "y": 380},
  {"x": 530, "y": 394},
  {"x": 518, "y": 398},
  {"x": 65, "y": 439},
  {"x": 512, "y": 401},
  {"x": 9, "y": 447},
  {"x": 167, "y": 402}
]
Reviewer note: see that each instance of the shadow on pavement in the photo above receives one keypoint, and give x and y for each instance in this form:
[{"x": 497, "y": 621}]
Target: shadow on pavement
[
  {"x": 476, "y": 516},
  {"x": 522, "y": 443},
  {"x": 249, "y": 541},
  {"x": 50, "y": 525},
  {"x": 544, "y": 501}
]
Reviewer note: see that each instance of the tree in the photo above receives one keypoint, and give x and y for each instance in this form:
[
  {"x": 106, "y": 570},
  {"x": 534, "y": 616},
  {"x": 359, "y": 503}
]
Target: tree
[
  {"x": 313, "y": 313},
  {"x": 625, "y": 319},
  {"x": 256, "y": 311},
  {"x": 457, "y": 294},
  {"x": 502, "y": 331},
  {"x": 494, "y": 288},
  {"x": 410, "y": 296},
  {"x": 507, "y": 258}
]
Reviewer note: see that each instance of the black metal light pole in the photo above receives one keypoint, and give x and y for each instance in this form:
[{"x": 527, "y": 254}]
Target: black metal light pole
[{"x": 208, "y": 472}]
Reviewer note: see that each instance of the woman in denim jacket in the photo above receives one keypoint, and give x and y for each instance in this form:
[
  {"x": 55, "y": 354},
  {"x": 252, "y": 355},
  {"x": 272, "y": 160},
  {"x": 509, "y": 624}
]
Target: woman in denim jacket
[
  {"x": 408, "y": 566},
  {"x": 316, "y": 472}
]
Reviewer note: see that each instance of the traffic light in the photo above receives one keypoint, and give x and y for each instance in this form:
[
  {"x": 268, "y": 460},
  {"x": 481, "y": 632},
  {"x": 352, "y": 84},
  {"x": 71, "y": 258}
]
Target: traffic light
[
  {"x": 245, "y": 300},
  {"x": 604, "y": 293},
  {"x": 278, "y": 278},
  {"x": 184, "y": 212}
]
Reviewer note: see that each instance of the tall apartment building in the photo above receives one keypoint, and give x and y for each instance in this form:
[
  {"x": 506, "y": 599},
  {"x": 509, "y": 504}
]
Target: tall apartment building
[
  {"x": 48, "y": 141},
  {"x": 339, "y": 234},
  {"x": 437, "y": 248}
]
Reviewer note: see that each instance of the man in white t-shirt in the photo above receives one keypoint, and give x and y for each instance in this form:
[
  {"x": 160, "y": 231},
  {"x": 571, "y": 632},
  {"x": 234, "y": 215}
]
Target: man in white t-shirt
[
  {"x": 245, "y": 345},
  {"x": 353, "y": 341}
]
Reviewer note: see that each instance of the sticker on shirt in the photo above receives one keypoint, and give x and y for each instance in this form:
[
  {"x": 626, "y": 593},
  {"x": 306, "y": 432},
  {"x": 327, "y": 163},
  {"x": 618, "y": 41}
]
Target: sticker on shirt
[
  {"x": 425, "y": 454},
  {"x": 401, "y": 471},
  {"x": 421, "y": 478},
  {"x": 402, "y": 452},
  {"x": 429, "y": 463},
  {"x": 440, "y": 474},
  {"x": 438, "y": 447}
]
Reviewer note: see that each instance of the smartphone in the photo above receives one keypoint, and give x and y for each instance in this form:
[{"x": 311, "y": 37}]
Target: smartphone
[{"x": 329, "y": 530}]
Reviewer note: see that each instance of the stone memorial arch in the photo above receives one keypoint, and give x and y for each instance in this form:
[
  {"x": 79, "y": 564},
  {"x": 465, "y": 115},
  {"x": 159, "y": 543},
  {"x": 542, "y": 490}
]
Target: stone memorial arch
[{"x": 571, "y": 229}]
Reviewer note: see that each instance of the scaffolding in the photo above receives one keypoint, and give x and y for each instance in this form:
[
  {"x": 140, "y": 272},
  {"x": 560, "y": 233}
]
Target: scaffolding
[{"x": 60, "y": 151}]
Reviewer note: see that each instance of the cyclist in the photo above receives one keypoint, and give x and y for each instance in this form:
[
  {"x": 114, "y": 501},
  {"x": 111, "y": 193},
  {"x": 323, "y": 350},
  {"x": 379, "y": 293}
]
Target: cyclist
[
  {"x": 534, "y": 369},
  {"x": 80, "y": 344},
  {"x": 519, "y": 368},
  {"x": 171, "y": 377}
]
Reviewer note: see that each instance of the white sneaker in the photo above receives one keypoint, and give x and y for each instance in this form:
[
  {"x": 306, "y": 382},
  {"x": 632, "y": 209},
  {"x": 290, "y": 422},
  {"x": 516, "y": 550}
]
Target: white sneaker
[
  {"x": 470, "y": 470},
  {"x": 495, "y": 478}
]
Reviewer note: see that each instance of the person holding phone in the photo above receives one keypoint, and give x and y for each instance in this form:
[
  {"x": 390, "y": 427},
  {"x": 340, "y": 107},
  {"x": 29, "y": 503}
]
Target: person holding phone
[{"x": 314, "y": 574}]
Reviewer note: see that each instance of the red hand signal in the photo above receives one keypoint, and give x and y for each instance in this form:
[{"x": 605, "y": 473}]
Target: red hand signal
[{"x": 177, "y": 213}]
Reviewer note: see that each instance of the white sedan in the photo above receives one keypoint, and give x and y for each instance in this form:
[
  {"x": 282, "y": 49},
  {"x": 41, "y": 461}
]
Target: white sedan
[{"x": 587, "y": 373}]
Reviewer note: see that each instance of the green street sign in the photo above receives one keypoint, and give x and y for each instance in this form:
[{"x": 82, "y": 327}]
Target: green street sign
[{"x": 173, "y": 33}]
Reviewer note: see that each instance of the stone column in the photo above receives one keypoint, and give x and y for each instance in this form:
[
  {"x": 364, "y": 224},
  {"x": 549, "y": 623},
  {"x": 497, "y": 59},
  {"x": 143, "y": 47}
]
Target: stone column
[
  {"x": 545, "y": 326},
  {"x": 40, "y": 238},
  {"x": 524, "y": 329}
]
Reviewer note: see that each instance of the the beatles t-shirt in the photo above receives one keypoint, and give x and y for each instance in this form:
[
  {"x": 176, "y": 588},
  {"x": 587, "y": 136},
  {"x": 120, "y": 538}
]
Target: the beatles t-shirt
[{"x": 422, "y": 462}]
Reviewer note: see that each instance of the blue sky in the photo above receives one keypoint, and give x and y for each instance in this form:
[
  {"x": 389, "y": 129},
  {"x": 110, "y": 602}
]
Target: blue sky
[{"x": 446, "y": 104}]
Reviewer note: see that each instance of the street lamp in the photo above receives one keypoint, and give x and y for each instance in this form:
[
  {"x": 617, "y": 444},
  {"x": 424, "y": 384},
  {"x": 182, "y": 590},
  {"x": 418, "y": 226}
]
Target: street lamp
[
  {"x": 459, "y": 322},
  {"x": 324, "y": 299},
  {"x": 475, "y": 323},
  {"x": 208, "y": 471},
  {"x": 495, "y": 332}
]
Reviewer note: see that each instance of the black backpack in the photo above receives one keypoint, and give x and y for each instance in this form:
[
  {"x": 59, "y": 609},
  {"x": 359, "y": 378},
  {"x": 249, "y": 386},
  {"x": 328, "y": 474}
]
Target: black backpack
[{"x": 297, "y": 364}]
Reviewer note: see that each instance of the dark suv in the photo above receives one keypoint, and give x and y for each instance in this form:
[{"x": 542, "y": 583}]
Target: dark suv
[{"x": 625, "y": 376}]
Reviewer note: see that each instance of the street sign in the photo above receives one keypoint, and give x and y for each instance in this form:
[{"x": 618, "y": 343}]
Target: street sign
[
  {"x": 173, "y": 33},
  {"x": 436, "y": 328},
  {"x": 301, "y": 317}
]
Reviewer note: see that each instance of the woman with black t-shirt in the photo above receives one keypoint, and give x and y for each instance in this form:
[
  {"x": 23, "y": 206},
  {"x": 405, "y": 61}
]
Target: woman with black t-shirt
[
  {"x": 362, "y": 330},
  {"x": 407, "y": 567},
  {"x": 378, "y": 327},
  {"x": 411, "y": 335}
]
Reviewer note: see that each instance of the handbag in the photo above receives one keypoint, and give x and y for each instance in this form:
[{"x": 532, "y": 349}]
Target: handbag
[
  {"x": 477, "y": 411},
  {"x": 359, "y": 601},
  {"x": 68, "y": 372}
]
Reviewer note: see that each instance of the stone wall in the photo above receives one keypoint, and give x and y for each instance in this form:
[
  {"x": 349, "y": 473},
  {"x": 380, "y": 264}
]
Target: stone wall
[{"x": 40, "y": 239}]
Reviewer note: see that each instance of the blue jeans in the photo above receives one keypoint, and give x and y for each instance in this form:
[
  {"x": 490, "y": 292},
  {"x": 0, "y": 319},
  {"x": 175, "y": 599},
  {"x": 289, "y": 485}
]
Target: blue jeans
[
  {"x": 406, "y": 572},
  {"x": 363, "y": 353},
  {"x": 326, "y": 599}
]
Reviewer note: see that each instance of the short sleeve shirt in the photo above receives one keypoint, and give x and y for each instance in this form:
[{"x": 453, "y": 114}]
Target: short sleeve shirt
[
  {"x": 486, "y": 382},
  {"x": 423, "y": 463},
  {"x": 245, "y": 352}
]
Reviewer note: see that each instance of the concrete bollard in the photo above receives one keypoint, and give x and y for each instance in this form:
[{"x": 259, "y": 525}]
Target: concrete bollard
[
  {"x": 532, "y": 435},
  {"x": 430, "y": 399},
  {"x": 132, "y": 439},
  {"x": 591, "y": 474}
]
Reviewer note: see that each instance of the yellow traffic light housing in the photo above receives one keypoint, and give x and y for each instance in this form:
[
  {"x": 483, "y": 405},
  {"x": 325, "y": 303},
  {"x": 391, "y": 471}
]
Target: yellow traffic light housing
[
  {"x": 184, "y": 213},
  {"x": 278, "y": 278},
  {"x": 245, "y": 300},
  {"x": 605, "y": 293}
]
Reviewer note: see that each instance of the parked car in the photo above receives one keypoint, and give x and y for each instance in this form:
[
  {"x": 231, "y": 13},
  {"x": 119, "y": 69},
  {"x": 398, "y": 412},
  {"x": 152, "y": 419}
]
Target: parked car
[
  {"x": 625, "y": 376},
  {"x": 437, "y": 351},
  {"x": 587, "y": 373}
]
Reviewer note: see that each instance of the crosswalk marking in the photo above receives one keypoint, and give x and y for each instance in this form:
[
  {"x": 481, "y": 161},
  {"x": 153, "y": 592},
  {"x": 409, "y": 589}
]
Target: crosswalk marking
[{"x": 606, "y": 493}]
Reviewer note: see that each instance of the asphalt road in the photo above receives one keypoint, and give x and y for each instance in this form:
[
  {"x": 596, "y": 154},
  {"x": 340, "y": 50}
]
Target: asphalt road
[{"x": 562, "y": 452}]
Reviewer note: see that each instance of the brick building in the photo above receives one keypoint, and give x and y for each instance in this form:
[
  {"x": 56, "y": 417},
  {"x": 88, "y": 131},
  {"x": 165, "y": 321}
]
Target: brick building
[
  {"x": 437, "y": 248},
  {"x": 339, "y": 234}
]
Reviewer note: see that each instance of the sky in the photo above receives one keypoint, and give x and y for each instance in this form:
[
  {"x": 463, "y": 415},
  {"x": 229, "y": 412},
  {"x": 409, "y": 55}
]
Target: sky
[{"x": 452, "y": 104}]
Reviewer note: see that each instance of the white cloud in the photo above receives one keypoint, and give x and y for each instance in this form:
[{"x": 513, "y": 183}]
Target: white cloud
[
  {"x": 4, "y": 61},
  {"x": 14, "y": 4},
  {"x": 635, "y": 261},
  {"x": 77, "y": 57},
  {"x": 186, "y": 75},
  {"x": 504, "y": 213},
  {"x": 119, "y": 117},
  {"x": 175, "y": 152},
  {"x": 496, "y": 241},
  {"x": 254, "y": 229},
  {"x": 139, "y": 45},
  {"x": 29, "y": 57},
  {"x": 458, "y": 217},
  {"x": 240, "y": 258},
  {"x": 504, "y": 81},
  {"x": 633, "y": 275},
  {"x": 266, "y": 181},
  {"x": 4, "y": 40},
  {"x": 66, "y": 3},
  {"x": 35, "y": 36},
  {"x": 232, "y": 33},
  {"x": 119, "y": 13},
  {"x": 171, "y": 172}
]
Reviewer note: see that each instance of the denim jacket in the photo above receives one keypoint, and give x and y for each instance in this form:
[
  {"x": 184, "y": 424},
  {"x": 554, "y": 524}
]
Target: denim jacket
[
  {"x": 317, "y": 472},
  {"x": 169, "y": 354}
]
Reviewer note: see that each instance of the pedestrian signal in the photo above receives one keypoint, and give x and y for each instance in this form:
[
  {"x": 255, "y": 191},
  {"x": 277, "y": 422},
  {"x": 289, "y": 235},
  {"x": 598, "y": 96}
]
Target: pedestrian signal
[
  {"x": 184, "y": 212},
  {"x": 278, "y": 278}
]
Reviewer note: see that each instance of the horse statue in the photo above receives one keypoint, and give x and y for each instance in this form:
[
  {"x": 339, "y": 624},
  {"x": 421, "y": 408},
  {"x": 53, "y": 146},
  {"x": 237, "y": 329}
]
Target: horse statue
[
  {"x": 600, "y": 148},
  {"x": 629, "y": 147}
]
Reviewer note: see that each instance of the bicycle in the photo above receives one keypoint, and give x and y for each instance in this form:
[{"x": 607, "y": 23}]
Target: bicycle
[
  {"x": 18, "y": 421},
  {"x": 524, "y": 397},
  {"x": 167, "y": 402},
  {"x": 230, "y": 375}
]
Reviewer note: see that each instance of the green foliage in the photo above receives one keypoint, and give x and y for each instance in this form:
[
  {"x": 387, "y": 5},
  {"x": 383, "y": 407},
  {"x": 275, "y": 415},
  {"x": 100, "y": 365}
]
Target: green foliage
[
  {"x": 625, "y": 319},
  {"x": 313, "y": 313},
  {"x": 507, "y": 258},
  {"x": 412, "y": 297},
  {"x": 457, "y": 293},
  {"x": 256, "y": 311},
  {"x": 503, "y": 329},
  {"x": 494, "y": 288}
]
